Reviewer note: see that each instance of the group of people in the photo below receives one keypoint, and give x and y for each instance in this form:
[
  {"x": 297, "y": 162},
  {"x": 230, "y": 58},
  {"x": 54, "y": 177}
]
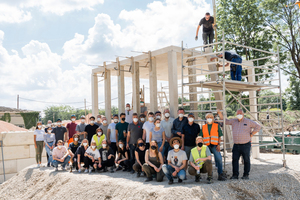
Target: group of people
[{"x": 153, "y": 148}]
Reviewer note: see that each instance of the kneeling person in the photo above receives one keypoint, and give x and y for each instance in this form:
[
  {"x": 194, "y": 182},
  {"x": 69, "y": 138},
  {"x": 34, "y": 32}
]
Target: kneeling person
[
  {"x": 60, "y": 156},
  {"x": 73, "y": 146},
  {"x": 91, "y": 158},
  {"x": 200, "y": 161},
  {"x": 107, "y": 157}
]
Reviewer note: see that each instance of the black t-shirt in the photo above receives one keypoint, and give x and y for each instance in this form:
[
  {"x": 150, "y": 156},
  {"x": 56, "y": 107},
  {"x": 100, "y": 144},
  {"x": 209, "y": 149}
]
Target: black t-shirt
[
  {"x": 59, "y": 133},
  {"x": 122, "y": 152},
  {"x": 190, "y": 133},
  {"x": 80, "y": 151},
  {"x": 104, "y": 153},
  {"x": 74, "y": 147},
  {"x": 91, "y": 130},
  {"x": 141, "y": 154},
  {"x": 207, "y": 24},
  {"x": 229, "y": 55}
]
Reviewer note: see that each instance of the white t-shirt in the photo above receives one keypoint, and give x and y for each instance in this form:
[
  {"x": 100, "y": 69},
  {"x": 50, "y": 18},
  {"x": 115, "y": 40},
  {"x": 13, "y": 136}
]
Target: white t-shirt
[
  {"x": 112, "y": 128},
  {"x": 39, "y": 134},
  {"x": 167, "y": 125},
  {"x": 95, "y": 154},
  {"x": 147, "y": 126},
  {"x": 128, "y": 117},
  {"x": 177, "y": 158}
]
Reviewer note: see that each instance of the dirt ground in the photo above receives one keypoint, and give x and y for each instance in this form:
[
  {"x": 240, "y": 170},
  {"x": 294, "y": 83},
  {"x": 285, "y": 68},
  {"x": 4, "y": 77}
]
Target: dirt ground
[{"x": 268, "y": 180}]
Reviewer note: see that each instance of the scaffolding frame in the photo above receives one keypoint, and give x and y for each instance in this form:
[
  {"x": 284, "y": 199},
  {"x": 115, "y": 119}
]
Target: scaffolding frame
[{"x": 223, "y": 84}]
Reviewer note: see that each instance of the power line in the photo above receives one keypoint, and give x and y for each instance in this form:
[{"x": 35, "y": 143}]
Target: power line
[{"x": 48, "y": 102}]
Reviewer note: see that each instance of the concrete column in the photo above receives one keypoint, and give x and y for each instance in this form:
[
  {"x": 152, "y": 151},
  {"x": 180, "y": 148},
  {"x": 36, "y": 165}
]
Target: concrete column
[
  {"x": 192, "y": 79},
  {"x": 107, "y": 91},
  {"x": 173, "y": 83},
  {"x": 121, "y": 88},
  {"x": 152, "y": 82},
  {"x": 253, "y": 110},
  {"x": 135, "y": 71},
  {"x": 95, "y": 108}
]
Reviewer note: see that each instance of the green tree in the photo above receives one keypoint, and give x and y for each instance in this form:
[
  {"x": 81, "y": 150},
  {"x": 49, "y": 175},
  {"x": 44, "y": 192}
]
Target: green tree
[
  {"x": 292, "y": 94},
  {"x": 272, "y": 99}
]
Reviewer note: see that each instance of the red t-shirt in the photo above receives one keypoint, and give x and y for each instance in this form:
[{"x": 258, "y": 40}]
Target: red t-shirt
[{"x": 71, "y": 127}]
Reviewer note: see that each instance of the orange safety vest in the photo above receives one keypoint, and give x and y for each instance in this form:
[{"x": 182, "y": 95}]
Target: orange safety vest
[{"x": 213, "y": 137}]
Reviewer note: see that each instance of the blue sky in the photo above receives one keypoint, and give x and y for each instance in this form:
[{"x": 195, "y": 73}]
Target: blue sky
[{"x": 46, "y": 46}]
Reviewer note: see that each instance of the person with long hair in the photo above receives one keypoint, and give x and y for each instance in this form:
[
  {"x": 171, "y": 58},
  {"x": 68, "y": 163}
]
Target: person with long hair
[
  {"x": 98, "y": 137},
  {"x": 73, "y": 146},
  {"x": 153, "y": 163},
  {"x": 139, "y": 157},
  {"x": 123, "y": 158},
  {"x": 91, "y": 158},
  {"x": 79, "y": 154},
  {"x": 39, "y": 143},
  {"x": 49, "y": 140}
]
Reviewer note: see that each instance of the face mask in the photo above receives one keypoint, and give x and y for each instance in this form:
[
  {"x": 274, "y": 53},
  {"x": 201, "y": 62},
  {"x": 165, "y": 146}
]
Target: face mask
[
  {"x": 93, "y": 147},
  {"x": 59, "y": 124},
  {"x": 209, "y": 120},
  {"x": 123, "y": 119},
  {"x": 142, "y": 119},
  {"x": 104, "y": 121},
  {"x": 157, "y": 117},
  {"x": 49, "y": 131},
  {"x": 153, "y": 147},
  {"x": 104, "y": 145},
  {"x": 59, "y": 146},
  {"x": 99, "y": 133},
  {"x": 73, "y": 119},
  {"x": 151, "y": 119},
  {"x": 167, "y": 115},
  {"x": 76, "y": 139},
  {"x": 39, "y": 126},
  {"x": 98, "y": 119},
  {"x": 191, "y": 119},
  {"x": 176, "y": 146},
  {"x": 135, "y": 119},
  {"x": 127, "y": 108},
  {"x": 49, "y": 125},
  {"x": 200, "y": 144},
  {"x": 121, "y": 145},
  {"x": 116, "y": 120},
  {"x": 84, "y": 144},
  {"x": 142, "y": 104},
  {"x": 157, "y": 125},
  {"x": 180, "y": 115},
  {"x": 239, "y": 116},
  {"x": 83, "y": 120},
  {"x": 141, "y": 144},
  {"x": 92, "y": 122}
]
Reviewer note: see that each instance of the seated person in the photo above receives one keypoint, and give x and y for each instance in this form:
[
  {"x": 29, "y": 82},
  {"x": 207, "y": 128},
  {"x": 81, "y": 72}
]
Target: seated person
[
  {"x": 153, "y": 163},
  {"x": 200, "y": 161},
  {"x": 177, "y": 161},
  {"x": 79, "y": 154},
  {"x": 73, "y": 146},
  {"x": 107, "y": 157},
  {"x": 98, "y": 138},
  {"x": 60, "y": 156},
  {"x": 123, "y": 158},
  {"x": 139, "y": 157},
  {"x": 91, "y": 158}
]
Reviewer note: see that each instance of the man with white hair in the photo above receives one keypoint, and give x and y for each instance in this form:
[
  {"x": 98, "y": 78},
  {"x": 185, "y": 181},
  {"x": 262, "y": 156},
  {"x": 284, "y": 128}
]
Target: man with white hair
[
  {"x": 243, "y": 130},
  {"x": 211, "y": 133}
]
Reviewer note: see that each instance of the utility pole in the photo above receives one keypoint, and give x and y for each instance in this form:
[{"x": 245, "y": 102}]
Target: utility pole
[
  {"x": 53, "y": 117},
  {"x": 18, "y": 102},
  {"x": 215, "y": 21},
  {"x": 85, "y": 106}
]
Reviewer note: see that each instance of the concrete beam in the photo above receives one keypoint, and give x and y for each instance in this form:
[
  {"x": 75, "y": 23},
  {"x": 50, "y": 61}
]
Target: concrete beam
[
  {"x": 173, "y": 83},
  {"x": 121, "y": 88},
  {"x": 152, "y": 82},
  {"x": 135, "y": 70},
  {"x": 107, "y": 95},
  {"x": 95, "y": 107}
]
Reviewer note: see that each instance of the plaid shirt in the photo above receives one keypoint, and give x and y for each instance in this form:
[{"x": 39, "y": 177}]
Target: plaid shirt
[{"x": 241, "y": 130}]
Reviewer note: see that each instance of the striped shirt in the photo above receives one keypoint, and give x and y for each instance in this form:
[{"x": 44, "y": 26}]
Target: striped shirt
[{"x": 241, "y": 130}]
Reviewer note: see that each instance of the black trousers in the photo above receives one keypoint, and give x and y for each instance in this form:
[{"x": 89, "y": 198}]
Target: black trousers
[
  {"x": 125, "y": 163},
  {"x": 88, "y": 162},
  {"x": 238, "y": 151},
  {"x": 209, "y": 35},
  {"x": 132, "y": 148},
  {"x": 113, "y": 146},
  {"x": 108, "y": 163}
]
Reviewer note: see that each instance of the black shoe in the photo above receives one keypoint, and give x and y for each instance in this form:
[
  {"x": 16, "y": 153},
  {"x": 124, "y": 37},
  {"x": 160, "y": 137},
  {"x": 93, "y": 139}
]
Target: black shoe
[
  {"x": 149, "y": 179},
  {"x": 105, "y": 169},
  {"x": 179, "y": 180},
  {"x": 125, "y": 169},
  {"x": 138, "y": 174},
  {"x": 112, "y": 170},
  {"x": 119, "y": 168},
  {"x": 48, "y": 165},
  {"x": 245, "y": 177},
  {"x": 197, "y": 178},
  {"x": 234, "y": 178},
  {"x": 221, "y": 177},
  {"x": 170, "y": 182},
  {"x": 143, "y": 174},
  {"x": 132, "y": 172},
  {"x": 209, "y": 180},
  {"x": 128, "y": 170}
]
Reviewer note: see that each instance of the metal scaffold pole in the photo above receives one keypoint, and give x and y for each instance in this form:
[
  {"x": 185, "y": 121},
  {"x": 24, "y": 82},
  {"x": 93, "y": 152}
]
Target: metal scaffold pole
[
  {"x": 224, "y": 102},
  {"x": 182, "y": 74}
]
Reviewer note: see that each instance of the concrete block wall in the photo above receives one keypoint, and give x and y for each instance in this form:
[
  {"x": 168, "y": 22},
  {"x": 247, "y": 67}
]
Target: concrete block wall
[{"x": 19, "y": 153}]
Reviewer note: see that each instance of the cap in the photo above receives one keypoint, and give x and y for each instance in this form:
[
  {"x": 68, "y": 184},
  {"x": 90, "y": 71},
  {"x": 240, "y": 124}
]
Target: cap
[
  {"x": 82, "y": 117},
  {"x": 157, "y": 112},
  {"x": 73, "y": 116},
  {"x": 191, "y": 114},
  {"x": 58, "y": 120}
]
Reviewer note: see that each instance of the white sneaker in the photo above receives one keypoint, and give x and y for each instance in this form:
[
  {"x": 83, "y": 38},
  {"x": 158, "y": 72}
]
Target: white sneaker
[
  {"x": 38, "y": 165},
  {"x": 63, "y": 168},
  {"x": 56, "y": 169},
  {"x": 79, "y": 171},
  {"x": 90, "y": 170},
  {"x": 86, "y": 171}
]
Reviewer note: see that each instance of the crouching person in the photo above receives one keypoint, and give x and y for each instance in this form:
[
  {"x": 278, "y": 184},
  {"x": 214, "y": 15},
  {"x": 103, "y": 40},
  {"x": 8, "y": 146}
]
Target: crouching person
[
  {"x": 200, "y": 161},
  {"x": 107, "y": 158},
  {"x": 60, "y": 156},
  {"x": 139, "y": 157},
  {"x": 91, "y": 158},
  {"x": 79, "y": 154},
  {"x": 73, "y": 146},
  {"x": 176, "y": 161},
  {"x": 153, "y": 163}
]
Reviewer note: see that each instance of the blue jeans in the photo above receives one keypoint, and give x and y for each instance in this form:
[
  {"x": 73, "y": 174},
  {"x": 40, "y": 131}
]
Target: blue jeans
[
  {"x": 63, "y": 164},
  {"x": 237, "y": 73},
  {"x": 159, "y": 144},
  {"x": 168, "y": 170},
  {"x": 165, "y": 149},
  {"x": 237, "y": 151},
  {"x": 218, "y": 158},
  {"x": 49, "y": 152}
]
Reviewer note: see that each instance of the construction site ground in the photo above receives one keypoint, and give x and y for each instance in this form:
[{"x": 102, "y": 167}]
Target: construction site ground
[{"x": 268, "y": 180}]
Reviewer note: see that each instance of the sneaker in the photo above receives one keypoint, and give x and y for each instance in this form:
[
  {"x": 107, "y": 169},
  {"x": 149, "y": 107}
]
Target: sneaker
[
  {"x": 119, "y": 168},
  {"x": 170, "y": 182},
  {"x": 245, "y": 177},
  {"x": 197, "y": 178},
  {"x": 105, "y": 169},
  {"x": 234, "y": 178},
  {"x": 90, "y": 170},
  {"x": 209, "y": 180},
  {"x": 56, "y": 169},
  {"x": 48, "y": 165},
  {"x": 38, "y": 166},
  {"x": 221, "y": 177},
  {"x": 132, "y": 172},
  {"x": 86, "y": 171},
  {"x": 179, "y": 180},
  {"x": 124, "y": 170},
  {"x": 143, "y": 174},
  {"x": 112, "y": 170},
  {"x": 149, "y": 179},
  {"x": 71, "y": 168},
  {"x": 138, "y": 174},
  {"x": 79, "y": 171},
  {"x": 63, "y": 168}
]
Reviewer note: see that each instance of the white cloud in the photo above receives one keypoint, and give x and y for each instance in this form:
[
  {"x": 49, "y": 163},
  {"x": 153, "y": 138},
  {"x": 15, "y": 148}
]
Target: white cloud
[{"x": 11, "y": 14}]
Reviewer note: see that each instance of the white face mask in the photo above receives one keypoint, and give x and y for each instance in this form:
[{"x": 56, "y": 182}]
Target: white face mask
[
  {"x": 121, "y": 145},
  {"x": 135, "y": 119},
  {"x": 127, "y": 108},
  {"x": 176, "y": 146},
  {"x": 116, "y": 120},
  {"x": 39, "y": 126},
  {"x": 49, "y": 125},
  {"x": 82, "y": 120},
  {"x": 49, "y": 131},
  {"x": 151, "y": 119},
  {"x": 104, "y": 145},
  {"x": 157, "y": 125},
  {"x": 191, "y": 119},
  {"x": 84, "y": 144},
  {"x": 93, "y": 147},
  {"x": 180, "y": 115},
  {"x": 59, "y": 146},
  {"x": 239, "y": 116},
  {"x": 98, "y": 119},
  {"x": 104, "y": 121},
  {"x": 73, "y": 119},
  {"x": 142, "y": 119},
  {"x": 59, "y": 124},
  {"x": 142, "y": 104},
  {"x": 209, "y": 120},
  {"x": 157, "y": 117},
  {"x": 167, "y": 115},
  {"x": 76, "y": 139},
  {"x": 92, "y": 122},
  {"x": 99, "y": 133}
]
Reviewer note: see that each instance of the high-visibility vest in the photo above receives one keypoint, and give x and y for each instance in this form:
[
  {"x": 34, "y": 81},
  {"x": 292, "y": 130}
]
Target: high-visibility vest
[
  {"x": 196, "y": 155},
  {"x": 98, "y": 142},
  {"x": 213, "y": 137}
]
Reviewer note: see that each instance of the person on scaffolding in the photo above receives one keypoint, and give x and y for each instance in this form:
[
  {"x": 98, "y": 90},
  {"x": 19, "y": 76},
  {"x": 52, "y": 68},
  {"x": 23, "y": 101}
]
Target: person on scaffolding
[
  {"x": 208, "y": 31},
  {"x": 235, "y": 69}
]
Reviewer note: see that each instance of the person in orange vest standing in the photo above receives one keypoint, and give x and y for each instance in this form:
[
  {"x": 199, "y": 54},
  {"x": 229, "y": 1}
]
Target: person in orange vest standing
[{"x": 211, "y": 133}]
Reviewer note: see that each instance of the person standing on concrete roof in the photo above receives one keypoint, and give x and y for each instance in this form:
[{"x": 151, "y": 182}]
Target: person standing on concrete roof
[
  {"x": 49, "y": 140},
  {"x": 178, "y": 123},
  {"x": 104, "y": 125},
  {"x": 60, "y": 156},
  {"x": 90, "y": 129},
  {"x": 107, "y": 158},
  {"x": 91, "y": 158},
  {"x": 60, "y": 132},
  {"x": 235, "y": 69},
  {"x": 80, "y": 128},
  {"x": 143, "y": 107},
  {"x": 139, "y": 157},
  {"x": 147, "y": 126},
  {"x": 142, "y": 118},
  {"x": 73, "y": 146},
  {"x": 128, "y": 113},
  {"x": 167, "y": 125},
  {"x": 121, "y": 129},
  {"x": 243, "y": 130},
  {"x": 99, "y": 120},
  {"x": 111, "y": 134},
  {"x": 208, "y": 31},
  {"x": 71, "y": 127},
  {"x": 79, "y": 154},
  {"x": 98, "y": 137},
  {"x": 157, "y": 133},
  {"x": 39, "y": 143},
  {"x": 200, "y": 161},
  {"x": 212, "y": 133}
]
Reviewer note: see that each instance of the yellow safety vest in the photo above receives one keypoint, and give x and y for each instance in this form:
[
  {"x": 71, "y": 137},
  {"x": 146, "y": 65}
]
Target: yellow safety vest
[
  {"x": 98, "y": 143},
  {"x": 196, "y": 155}
]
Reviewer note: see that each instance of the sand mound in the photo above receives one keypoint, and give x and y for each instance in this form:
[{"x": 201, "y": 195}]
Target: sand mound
[
  {"x": 7, "y": 127},
  {"x": 267, "y": 181}
]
